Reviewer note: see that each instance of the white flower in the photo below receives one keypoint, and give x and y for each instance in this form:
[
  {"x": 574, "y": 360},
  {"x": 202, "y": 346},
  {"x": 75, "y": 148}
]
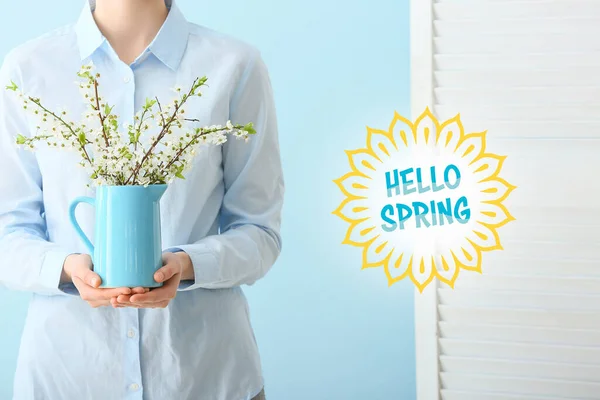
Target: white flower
[
  {"x": 180, "y": 117},
  {"x": 216, "y": 138},
  {"x": 109, "y": 147}
]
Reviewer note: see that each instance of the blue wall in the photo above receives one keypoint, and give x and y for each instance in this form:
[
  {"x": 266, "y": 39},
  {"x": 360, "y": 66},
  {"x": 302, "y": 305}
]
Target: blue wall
[{"x": 326, "y": 329}]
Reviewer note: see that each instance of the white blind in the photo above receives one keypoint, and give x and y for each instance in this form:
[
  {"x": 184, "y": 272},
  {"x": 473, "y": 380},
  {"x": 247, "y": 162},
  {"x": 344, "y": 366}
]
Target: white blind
[{"x": 528, "y": 71}]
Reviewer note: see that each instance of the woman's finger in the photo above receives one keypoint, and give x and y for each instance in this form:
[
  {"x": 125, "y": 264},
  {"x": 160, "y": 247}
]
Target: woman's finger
[
  {"x": 167, "y": 272},
  {"x": 162, "y": 304},
  {"x": 89, "y": 293},
  {"x": 99, "y": 303}
]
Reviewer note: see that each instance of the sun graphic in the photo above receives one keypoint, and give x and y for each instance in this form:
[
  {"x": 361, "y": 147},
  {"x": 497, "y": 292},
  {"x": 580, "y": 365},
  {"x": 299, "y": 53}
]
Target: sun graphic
[{"x": 423, "y": 200}]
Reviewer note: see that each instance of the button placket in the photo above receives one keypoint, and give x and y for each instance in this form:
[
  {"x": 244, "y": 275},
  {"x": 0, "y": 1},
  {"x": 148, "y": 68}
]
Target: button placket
[
  {"x": 130, "y": 321},
  {"x": 132, "y": 369}
]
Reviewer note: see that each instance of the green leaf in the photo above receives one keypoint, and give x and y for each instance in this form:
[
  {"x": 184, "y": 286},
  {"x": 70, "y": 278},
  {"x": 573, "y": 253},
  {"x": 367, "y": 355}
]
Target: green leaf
[
  {"x": 200, "y": 82},
  {"x": 149, "y": 103},
  {"x": 107, "y": 109},
  {"x": 249, "y": 127},
  {"x": 179, "y": 171},
  {"x": 85, "y": 74},
  {"x": 13, "y": 86},
  {"x": 21, "y": 139},
  {"x": 124, "y": 151},
  {"x": 81, "y": 138}
]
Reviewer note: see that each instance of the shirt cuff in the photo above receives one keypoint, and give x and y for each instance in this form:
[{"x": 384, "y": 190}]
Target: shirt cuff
[
  {"x": 51, "y": 271},
  {"x": 204, "y": 262}
]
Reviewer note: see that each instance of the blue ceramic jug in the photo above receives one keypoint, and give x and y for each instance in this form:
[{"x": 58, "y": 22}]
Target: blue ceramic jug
[{"x": 127, "y": 249}]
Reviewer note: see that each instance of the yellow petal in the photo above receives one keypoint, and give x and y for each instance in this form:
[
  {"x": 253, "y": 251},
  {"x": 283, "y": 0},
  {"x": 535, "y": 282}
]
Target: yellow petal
[
  {"x": 446, "y": 269},
  {"x": 493, "y": 215},
  {"x": 353, "y": 209},
  {"x": 422, "y": 271},
  {"x": 354, "y": 185},
  {"x": 380, "y": 144},
  {"x": 376, "y": 252},
  {"x": 487, "y": 167},
  {"x": 494, "y": 190},
  {"x": 484, "y": 237},
  {"x": 450, "y": 133},
  {"x": 468, "y": 256},
  {"x": 361, "y": 232},
  {"x": 401, "y": 129},
  {"x": 397, "y": 267},
  {"x": 471, "y": 147},
  {"x": 363, "y": 162},
  {"x": 425, "y": 126}
]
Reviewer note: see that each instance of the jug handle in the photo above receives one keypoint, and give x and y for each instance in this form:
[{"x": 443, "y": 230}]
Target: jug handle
[{"x": 75, "y": 224}]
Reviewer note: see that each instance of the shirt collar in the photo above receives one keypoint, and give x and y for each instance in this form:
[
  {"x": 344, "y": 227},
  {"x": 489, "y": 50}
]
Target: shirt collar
[{"x": 168, "y": 45}]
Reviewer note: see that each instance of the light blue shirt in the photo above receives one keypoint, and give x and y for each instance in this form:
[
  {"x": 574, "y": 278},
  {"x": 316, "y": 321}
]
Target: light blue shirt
[{"x": 225, "y": 215}]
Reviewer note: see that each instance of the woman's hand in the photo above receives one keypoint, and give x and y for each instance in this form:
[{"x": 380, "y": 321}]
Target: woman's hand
[
  {"x": 78, "y": 269},
  {"x": 177, "y": 266}
]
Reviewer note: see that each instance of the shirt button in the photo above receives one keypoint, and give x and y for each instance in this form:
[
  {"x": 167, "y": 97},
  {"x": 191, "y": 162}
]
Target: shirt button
[
  {"x": 126, "y": 79},
  {"x": 130, "y": 333},
  {"x": 134, "y": 386}
]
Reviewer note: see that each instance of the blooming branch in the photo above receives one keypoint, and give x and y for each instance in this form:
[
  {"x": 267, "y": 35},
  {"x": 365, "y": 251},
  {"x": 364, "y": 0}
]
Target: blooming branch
[{"x": 115, "y": 155}]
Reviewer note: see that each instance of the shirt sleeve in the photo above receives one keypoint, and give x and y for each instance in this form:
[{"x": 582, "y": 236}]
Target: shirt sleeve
[
  {"x": 28, "y": 261},
  {"x": 249, "y": 241}
]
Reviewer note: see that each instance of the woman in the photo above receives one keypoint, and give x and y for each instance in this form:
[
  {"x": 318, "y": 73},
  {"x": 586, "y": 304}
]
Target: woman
[{"x": 191, "y": 338}]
